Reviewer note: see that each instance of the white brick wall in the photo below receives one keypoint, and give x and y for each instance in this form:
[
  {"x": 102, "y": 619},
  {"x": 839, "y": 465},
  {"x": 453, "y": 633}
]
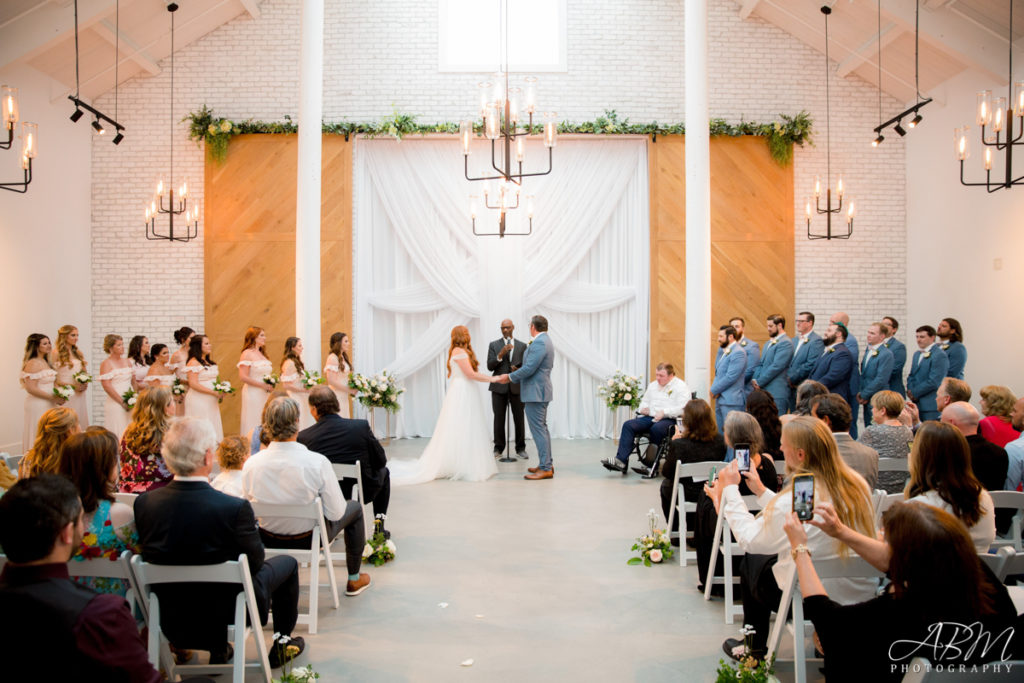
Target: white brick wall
[{"x": 625, "y": 55}]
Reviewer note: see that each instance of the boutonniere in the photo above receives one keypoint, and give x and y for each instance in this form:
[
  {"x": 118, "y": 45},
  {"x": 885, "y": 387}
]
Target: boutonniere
[
  {"x": 874, "y": 353},
  {"x": 529, "y": 343},
  {"x": 727, "y": 352},
  {"x": 945, "y": 347},
  {"x": 831, "y": 350},
  {"x": 773, "y": 342},
  {"x": 926, "y": 354},
  {"x": 670, "y": 391},
  {"x": 743, "y": 343},
  {"x": 885, "y": 344}
]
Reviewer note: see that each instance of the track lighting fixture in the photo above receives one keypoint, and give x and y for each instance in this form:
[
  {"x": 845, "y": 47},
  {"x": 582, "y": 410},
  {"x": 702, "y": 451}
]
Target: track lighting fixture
[
  {"x": 877, "y": 141},
  {"x": 98, "y": 127},
  {"x": 916, "y": 120},
  {"x": 117, "y": 138},
  {"x": 76, "y": 115},
  {"x": 81, "y": 107},
  {"x": 900, "y": 130}
]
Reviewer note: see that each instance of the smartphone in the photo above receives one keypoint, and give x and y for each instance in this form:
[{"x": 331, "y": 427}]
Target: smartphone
[
  {"x": 713, "y": 475},
  {"x": 803, "y": 496},
  {"x": 742, "y": 451}
]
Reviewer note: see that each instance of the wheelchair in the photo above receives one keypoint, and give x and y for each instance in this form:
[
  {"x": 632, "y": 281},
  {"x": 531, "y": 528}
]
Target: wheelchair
[{"x": 649, "y": 455}]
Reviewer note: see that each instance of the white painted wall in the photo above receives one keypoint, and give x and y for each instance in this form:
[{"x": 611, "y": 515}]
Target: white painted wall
[{"x": 44, "y": 239}]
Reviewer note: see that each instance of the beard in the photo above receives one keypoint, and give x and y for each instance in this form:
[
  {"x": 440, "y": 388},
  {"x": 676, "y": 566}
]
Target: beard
[
  {"x": 773, "y": 335},
  {"x": 724, "y": 344},
  {"x": 830, "y": 339}
]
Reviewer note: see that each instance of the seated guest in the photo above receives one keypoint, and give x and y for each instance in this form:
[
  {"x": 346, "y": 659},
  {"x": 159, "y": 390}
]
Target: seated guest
[
  {"x": 55, "y": 426},
  {"x": 997, "y": 404},
  {"x": 762, "y": 406},
  {"x": 941, "y": 475},
  {"x": 89, "y": 460},
  {"x": 142, "y": 466},
  {"x": 256, "y": 438},
  {"x": 805, "y": 393},
  {"x": 662, "y": 403},
  {"x": 739, "y": 428},
  {"x": 189, "y": 522},
  {"x": 808, "y": 448},
  {"x": 951, "y": 390},
  {"x": 7, "y": 478},
  {"x": 232, "y": 453},
  {"x": 889, "y": 437},
  {"x": 988, "y": 461},
  {"x": 1015, "y": 450},
  {"x": 344, "y": 441},
  {"x": 858, "y": 640},
  {"x": 697, "y": 441},
  {"x": 288, "y": 473},
  {"x": 88, "y": 637},
  {"x": 833, "y": 410}
]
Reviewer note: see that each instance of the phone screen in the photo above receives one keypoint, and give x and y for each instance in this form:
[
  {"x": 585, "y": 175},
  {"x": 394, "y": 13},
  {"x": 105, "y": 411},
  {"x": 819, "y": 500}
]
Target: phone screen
[
  {"x": 803, "y": 496},
  {"x": 713, "y": 475},
  {"x": 743, "y": 456}
]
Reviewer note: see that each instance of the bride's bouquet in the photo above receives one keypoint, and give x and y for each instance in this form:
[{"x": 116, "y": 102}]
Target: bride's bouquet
[
  {"x": 378, "y": 391},
  {"x": 620, "y": 390}
]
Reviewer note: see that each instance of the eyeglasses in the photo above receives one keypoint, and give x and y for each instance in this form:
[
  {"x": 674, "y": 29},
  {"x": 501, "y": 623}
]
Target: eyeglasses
[{"x": 805, "y": 320}]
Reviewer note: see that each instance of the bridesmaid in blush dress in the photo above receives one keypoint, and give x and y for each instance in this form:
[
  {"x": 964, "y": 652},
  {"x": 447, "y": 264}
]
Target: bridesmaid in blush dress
[
  {"x": 159, "y": 374},
  {"x": 182, "y": 337},
  {"x": 291, "y": 379},
  {"x": 37, "y": 377},
  {"x": 201, "y": 399},
  {"x": 138, "y": 354},
  {"x": 252, "y": 368},
  {"x": 69, "y": 362},
  {"x": 116, "y": 379},
  {"x": 337, "y": 368}
]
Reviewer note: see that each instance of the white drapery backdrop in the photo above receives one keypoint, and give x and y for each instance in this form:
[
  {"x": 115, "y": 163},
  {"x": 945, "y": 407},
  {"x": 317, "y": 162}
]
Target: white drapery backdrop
[{"x": 419, "y": 270}]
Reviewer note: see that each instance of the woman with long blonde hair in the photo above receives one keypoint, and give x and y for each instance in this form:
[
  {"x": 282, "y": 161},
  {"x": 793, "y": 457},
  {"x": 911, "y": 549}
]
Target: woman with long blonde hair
[
  {"x": 808, "y": 448},
  {"x": 69, "y": 361},
  {"x": 116, "y": 379},
  {"x": 54, "y": 428},
  {"x": 37, "y": 378},
  {"x": 460, "y": 447},
  {"x": 142, "y": 466},
  {"x": 253, "y": 367}
]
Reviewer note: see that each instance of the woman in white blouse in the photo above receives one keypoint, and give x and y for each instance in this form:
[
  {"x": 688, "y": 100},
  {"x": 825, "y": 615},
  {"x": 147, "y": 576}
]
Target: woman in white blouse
[
  {"x": 808, "y": 448},
  {"x": 337, "y": 369}
]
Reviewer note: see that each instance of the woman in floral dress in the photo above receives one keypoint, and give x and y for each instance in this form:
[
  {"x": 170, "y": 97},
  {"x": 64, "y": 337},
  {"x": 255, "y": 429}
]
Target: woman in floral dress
[{"x": 142, "y": 467}]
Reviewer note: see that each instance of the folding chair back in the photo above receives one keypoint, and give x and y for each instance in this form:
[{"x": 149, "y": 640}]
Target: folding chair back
[
  {"x": 233, "y": 572},
  {"x": 679, "y": 506},
  {"x": 12, "y": 462},
  {"x": 120, "y": 568},
  {"x": 723, "y": 541},
  {"x": 126, "y": 498},
  {"x": 1015, "y": 501},
  {"x": 996, "y": 561},
  {"x": 354, "y": 471}
]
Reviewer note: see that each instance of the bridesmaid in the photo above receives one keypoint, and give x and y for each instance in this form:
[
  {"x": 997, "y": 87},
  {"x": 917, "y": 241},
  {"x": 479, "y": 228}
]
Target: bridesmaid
[
  {"x": 178, "y": 359},
  {"x": 291, "y": 379},
  {"x": 70, "y": 362},
  {"x": 337, "y": 369},
  {"x": 37, "y": 377},
  {"x": 201, "y": 400},
  {"x": 252, "y": 368},
  {"x": 115, "y": 378},
  {"x": 138, "y": 354},
  {"x": 160, "y": 374}
]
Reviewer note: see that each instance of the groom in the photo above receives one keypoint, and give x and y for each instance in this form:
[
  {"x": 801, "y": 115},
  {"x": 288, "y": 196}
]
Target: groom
[{"x": 534, "y": 379}]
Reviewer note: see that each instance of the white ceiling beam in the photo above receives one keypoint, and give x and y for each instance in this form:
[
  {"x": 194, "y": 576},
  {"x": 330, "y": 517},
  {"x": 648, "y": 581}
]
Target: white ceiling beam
[
  {"x": 748, "y": 7},
  {"x": 110, "y": 34},
  {"x": 252, "y": 8},
  {"x": 869, "y": 48}
]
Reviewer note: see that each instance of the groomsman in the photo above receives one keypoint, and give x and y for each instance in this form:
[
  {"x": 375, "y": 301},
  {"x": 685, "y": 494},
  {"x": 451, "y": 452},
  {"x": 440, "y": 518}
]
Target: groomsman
[
  {"x": 753, "y": 350},
  {"x": 951, "y": 340},
  {"x": 834, "y": 367},
  {"x": 927, "y": 369},
  {"x": 807, "y": 348},
  {"x": 875, "y": 368},
  {"x": 851, "y": 343},
  {"x": 771, "y": 372},
  {"x": 899, "y": 356},
  {"x": 505, "y": 355},
  {"x": 730, "y": 368}
]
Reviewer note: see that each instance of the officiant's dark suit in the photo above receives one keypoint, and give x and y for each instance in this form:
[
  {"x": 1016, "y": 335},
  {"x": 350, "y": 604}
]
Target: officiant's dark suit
[{"x": 503, "y": 394}]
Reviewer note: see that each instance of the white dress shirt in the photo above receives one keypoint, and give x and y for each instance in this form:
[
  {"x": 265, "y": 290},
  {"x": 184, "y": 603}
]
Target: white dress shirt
[
  {"x": 229, "y": 482},
  {"x": 288, "y": 473},
  {"x": 983, "y": 533},
  {"x": 669, "y": 399}
]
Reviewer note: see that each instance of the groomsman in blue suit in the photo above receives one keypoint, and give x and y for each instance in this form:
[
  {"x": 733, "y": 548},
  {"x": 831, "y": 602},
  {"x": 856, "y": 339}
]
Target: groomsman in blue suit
[
  {"x": 730, "y": 367},
  {"x": 927, "y": 371},
  {"x": 899, "y": 356},
  {"x": 851, "y": 343},
  {"x": 875, "y": 368},
  {"x": 834, "y": 366},
  {"x": 807, "y": 348},
  {"x": 951, "y": 340},
  {"x": 753, "y": 350},
  {"x": 771, "y": 373}
]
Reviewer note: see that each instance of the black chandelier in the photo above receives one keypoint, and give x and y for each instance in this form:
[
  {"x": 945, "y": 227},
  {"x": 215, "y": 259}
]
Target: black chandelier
[{"x": 29, "y": 138}]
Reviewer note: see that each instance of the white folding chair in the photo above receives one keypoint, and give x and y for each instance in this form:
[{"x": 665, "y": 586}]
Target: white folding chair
[
  {"x": 680, "y": 506},
  {"x": 12, "y": 462},
  {"x": 1013, "y": 500},
  {"x": 354, "y": 471},
  {"x": 121, "y": 568},
  {"x": 995, "y": 562},
  {"x": 233, "y": 572},
  {"x": 126, "y": 498},
  {"x": 723, "y": 541},
  {"x": 883, "y": 503},
  {"x": 852, "y": 567},
  {"x": 319, "y": 551}
]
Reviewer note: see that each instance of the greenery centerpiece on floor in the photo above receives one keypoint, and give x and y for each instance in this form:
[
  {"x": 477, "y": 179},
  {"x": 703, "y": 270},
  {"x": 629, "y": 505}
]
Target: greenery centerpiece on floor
[
  {"x": 379, "y": 549},
  {"x": 654, "y": 547},
  {"x": 748, "y": 669}
]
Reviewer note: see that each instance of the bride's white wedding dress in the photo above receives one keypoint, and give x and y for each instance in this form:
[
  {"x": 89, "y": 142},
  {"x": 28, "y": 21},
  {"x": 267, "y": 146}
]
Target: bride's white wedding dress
[{"x": 461, "y": 445}]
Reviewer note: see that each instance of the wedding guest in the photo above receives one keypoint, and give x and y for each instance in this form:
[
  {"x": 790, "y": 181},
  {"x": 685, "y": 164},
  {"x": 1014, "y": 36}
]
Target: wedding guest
[
  {"x": 7, "y": 478},
  {"x": 54, "y": 428},
  {"x": 997, "y": 404},
  {"x": 37, "y": 378},
  {"x": 1015, "y": 450},
  {"x": 951, "y": 340},
  {"x": 805, "y": 393},
  {"x": 182, "y": 337},
  {"x": 258, "y": 439},
  {"x": 253, "y": 367},
  {"x": 232, "y": 453},
  {"x": 202, "y": 400},
  {"x": 834, "y": 411},
  {"x": 888, "y": 436},
  {"x": 292, "y": 372},
  {"x": 337, "y": 368},
  {"x": 89, "y": 460},
  {"x": 762, "y": 406},
  {"x": 116, "y": 379},
  {"x": 70, "y": 362},
  {"x": 160, "y": 373},
  {"x": 699, "y": 440},
  {"x": 138, "y": 354},
  {"x": 662, "y": 403},
  {"x": 142, "y": 466},
  {"x": 989, "y": 462},
  {"x": 89, "y": 637}
]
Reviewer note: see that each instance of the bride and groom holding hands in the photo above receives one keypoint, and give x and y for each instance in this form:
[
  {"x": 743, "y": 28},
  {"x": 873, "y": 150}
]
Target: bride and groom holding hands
[{"x": 460, "y": 447}]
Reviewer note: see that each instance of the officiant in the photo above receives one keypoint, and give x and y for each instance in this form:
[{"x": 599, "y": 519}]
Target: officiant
[{"x": 504, "y": 356}]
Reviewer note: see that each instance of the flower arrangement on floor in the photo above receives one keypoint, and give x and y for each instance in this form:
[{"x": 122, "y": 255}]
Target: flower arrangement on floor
[
  {"x": 222, "y": 386},
  {"x": 285, "y": 654},
  {"x": 82, "y": 377},
  {"x": 654, "y": 547},
  {"x": 129, "y": 398},
  {"x": 64, "y": 391},
  {"x": 272, "y": 379},
  {"x": 379, "y": 549},
  {"x": 620, "y": 390},
  {"x": 748, "y": 669},
  {"x": 379, "y": 391},
  {"x": 311, "y": 378}
]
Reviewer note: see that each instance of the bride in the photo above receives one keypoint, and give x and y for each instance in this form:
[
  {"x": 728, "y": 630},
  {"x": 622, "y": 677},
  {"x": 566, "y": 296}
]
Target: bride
[{"x": 461, "y": 445}]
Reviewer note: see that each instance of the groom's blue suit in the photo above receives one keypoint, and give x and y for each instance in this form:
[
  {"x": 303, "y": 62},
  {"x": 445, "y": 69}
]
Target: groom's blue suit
[{"x": 534, "y": 379}]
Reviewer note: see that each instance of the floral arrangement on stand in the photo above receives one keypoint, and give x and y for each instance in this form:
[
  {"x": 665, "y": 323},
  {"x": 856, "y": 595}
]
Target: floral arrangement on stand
[
  {"x": 273, "y": 379},
  {"x": 129, "y": 398},
  {"x": 378, "y": 391},
  {"x": 311, "y": 378},
  {"x": 748, "y": 669},
  {"x": 64, "y": 391},
  {"x": 285, "y": 653},
  {"x": 620, "y": 390},
  {"x": 82, "y": 377},
  {"x": 654, "y": 547},
  {"x": 379, "y": 549}
]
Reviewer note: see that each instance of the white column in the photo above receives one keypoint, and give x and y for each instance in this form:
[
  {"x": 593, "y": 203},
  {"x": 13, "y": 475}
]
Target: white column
[
  {"x": 698, "y": 200},
  {"x": 307, "y": 204}
]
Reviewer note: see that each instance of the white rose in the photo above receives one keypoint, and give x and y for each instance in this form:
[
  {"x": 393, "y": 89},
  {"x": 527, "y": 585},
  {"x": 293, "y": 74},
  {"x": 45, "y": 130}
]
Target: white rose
[
  {"x": 622, "y": 385},
  {"x": 628, "y": 396},
  {"x": 611, "y": 382},
  {"x": 225, "y": 126},
  {"x": 367, "y": 551},
  {"x": 390, "y": 545},
  {"x": 655, "y": 555}
]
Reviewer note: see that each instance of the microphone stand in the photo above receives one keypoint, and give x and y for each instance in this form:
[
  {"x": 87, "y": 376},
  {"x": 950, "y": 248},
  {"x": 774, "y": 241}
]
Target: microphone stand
[{"x": 508, "y": 414}]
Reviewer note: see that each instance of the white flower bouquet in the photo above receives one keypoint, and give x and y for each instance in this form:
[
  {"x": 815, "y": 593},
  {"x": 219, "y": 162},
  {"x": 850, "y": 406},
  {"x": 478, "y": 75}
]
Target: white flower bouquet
[
  {"x": 272, "y": 379},
  {"x": 621, "y": 390},
  {"x": 310, "y": 378},
  {"x": 82, "y": 377},
  {"x": 222, "y": 386},
  {"x": 378, "y": 391},
  {"x": 64, "y": 391},
  {"x": 129, "y": 398},
  {"x": 178, "y": 388},
  {"x": 378, "y": 548},
  {"x": 654, "y": 547},
  {"x": 748, "y": 668}
]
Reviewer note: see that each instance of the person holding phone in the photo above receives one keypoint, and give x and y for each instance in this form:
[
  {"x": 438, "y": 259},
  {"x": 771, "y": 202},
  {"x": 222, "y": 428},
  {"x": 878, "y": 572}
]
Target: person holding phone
[{"x": 808, "y": 448}]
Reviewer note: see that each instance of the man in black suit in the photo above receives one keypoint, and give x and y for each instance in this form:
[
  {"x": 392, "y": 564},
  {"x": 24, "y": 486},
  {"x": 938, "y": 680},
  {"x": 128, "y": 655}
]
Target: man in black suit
[
  {"x": 344, "y": 441},
  {"x": 504, "y": 356},
  {"x": 190, "y": 522}
]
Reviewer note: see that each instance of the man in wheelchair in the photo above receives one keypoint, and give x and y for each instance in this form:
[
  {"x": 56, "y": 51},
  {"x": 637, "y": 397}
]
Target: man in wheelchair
[{"x": 662, "y": 403}]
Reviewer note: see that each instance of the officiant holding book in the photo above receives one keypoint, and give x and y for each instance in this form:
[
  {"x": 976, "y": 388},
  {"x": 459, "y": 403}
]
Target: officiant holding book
[{"x": 505, "y": 355}]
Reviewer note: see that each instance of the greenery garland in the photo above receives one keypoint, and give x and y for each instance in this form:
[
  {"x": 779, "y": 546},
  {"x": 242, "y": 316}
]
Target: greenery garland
[{"x": 780, "y": 135}]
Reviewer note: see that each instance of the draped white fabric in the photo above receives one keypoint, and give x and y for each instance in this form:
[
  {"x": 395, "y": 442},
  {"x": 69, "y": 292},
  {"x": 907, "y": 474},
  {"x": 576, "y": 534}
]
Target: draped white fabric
[{"x": 419, "y": 270}]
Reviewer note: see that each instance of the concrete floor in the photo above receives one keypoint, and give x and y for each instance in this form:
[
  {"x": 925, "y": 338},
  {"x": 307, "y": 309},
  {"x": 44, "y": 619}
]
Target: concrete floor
[{"x": 535, "y": 580}]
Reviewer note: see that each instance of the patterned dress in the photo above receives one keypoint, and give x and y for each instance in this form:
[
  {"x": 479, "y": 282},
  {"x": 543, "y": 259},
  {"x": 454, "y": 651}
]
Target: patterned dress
[
  {"x": 101, "y": 539},
  {"x": 141, "y": 472}
]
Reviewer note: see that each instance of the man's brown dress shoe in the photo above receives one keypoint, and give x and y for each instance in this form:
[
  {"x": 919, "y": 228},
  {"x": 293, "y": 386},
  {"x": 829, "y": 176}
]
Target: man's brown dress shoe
[
  {"x": 537, "y": 469},
  {"x": 540, "y": 474}
]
